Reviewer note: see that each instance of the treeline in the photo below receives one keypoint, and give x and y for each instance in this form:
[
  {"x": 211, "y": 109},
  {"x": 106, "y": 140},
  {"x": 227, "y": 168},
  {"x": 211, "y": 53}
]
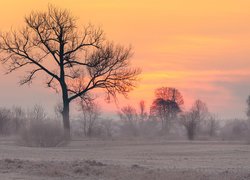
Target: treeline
[{"x": 165, "y": 118}]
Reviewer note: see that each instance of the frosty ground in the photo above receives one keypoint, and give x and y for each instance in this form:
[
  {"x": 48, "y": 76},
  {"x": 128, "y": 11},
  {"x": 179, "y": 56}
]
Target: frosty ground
[{"x": 126, "y": 159}]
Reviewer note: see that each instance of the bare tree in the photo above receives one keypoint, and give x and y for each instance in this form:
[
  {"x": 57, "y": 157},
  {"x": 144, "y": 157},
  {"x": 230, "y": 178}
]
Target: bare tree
[
  {"x": 75, "y": 62},
  {"x": 129, "y": 117},
  {"x": 90, "y": 115},
  {"x": 192, "y": 119},
  {"x": 166, "y": 106}
]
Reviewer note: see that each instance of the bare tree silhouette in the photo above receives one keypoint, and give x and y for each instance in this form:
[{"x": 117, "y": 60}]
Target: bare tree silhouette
[{"x": 74, "y": 61}]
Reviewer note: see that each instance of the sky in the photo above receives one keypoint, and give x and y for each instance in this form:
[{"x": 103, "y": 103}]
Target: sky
[{"x": 202, "y": 48}]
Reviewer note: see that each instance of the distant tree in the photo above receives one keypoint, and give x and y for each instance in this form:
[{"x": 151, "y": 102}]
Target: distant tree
[
  {"x": 129, "y": 118},
  {"x": 75, "y": 62},
  {"x": 89, "y": 117},
  {"x": 166, "y": 105},
  {"x": 192, "y": 119}
]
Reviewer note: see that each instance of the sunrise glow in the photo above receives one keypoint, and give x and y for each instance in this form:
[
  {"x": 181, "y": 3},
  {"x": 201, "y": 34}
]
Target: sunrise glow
[{"x": 201, "y": 48}]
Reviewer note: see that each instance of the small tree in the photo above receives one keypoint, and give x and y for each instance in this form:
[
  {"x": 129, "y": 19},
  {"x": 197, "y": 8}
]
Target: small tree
[
  {"x": 75, "y": 62},
  {"x": 192, "y": 119}
]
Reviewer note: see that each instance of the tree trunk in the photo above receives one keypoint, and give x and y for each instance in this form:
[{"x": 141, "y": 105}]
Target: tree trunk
[{"x": 66, "y": 122}]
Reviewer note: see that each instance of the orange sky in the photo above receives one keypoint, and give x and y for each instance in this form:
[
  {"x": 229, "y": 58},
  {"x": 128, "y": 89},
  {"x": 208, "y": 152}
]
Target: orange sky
[{"x": 200, "y": 47}]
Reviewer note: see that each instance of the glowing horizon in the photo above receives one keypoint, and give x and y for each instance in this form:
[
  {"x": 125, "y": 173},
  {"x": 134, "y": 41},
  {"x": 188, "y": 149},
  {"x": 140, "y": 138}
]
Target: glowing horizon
[{"x": 201, "y": 48}]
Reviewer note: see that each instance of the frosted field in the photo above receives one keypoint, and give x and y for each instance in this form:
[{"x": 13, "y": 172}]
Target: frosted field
[{"x": 124, "y": 159}]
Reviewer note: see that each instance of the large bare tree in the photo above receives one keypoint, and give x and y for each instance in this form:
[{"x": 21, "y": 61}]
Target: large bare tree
[{"x": 74, "y": 60}]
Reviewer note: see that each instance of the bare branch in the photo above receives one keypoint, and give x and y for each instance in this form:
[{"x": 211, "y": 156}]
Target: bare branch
[
  {"x": 110, "y": 72},
  {"x": 29, "y": 78}
]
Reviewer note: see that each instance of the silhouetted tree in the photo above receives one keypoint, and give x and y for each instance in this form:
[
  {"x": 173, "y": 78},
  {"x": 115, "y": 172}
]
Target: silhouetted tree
[
  {"x": 166, "y": 105},
  {"x": 193, "y": 118},
  {"x": 74, "y": 61}
]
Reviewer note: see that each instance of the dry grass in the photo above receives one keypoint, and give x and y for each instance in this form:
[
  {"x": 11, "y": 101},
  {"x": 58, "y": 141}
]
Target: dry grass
[{"x": 132, "y": 160}]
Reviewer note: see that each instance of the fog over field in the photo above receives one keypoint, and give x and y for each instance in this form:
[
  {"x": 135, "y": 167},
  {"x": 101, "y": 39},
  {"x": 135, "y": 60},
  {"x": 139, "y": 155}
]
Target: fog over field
[{"x": 145, "y": 90}]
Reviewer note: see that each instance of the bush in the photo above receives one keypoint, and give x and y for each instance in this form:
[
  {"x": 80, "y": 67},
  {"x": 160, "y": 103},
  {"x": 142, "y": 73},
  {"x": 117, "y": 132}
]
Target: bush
[{"x": 43, "y": 133}]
